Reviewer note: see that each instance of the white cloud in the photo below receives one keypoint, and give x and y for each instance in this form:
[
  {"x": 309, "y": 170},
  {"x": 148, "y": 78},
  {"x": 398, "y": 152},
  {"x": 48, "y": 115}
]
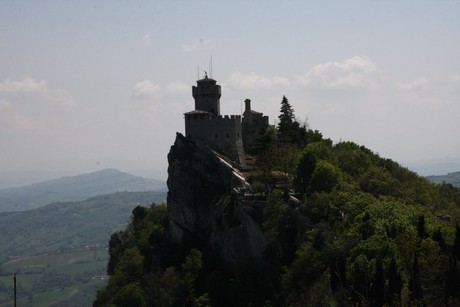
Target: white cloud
[
  {"x": 178, "y": 87},
  {"x": 5, "y": 105},
  {"x": 145, "y": 89},
  {"x": 355, "y": 72},
  {"x": 147, "y": 40},
  {"x": 200, "y": 44},
  {"x": 26, "y": 85},
  {"x": 455, "y": 81},
  {"x": 415, "y": 85},
  {"x": 30, "y": 85},
  {"x": 12, "y": 120},
  {"x": 254, "y": 81},
  {"x": 61, "y": 98}
]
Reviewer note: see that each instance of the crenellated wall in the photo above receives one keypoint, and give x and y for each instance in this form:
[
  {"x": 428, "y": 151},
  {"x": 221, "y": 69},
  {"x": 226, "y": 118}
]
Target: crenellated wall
[
  {"x": 230, "y": 134},
  {"x": 222, "y": 133}
]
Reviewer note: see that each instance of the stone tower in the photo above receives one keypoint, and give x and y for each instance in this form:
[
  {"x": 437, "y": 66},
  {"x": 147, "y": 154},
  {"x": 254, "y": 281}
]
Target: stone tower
[
  {"x": 253, "y": 126},
  {"x": 207, "y": 95},
  {"x": 206, "y": 124},
  {"x": 226, "y": 134}
]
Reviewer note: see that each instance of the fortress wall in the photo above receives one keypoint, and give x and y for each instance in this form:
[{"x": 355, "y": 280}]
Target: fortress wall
[
  {"x": 253, "y": 125},
  {"x": 222, "y": 133}
]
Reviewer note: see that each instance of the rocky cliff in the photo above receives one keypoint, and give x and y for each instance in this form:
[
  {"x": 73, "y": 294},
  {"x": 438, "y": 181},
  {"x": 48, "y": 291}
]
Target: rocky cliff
[{"x": 202, "y": 206}]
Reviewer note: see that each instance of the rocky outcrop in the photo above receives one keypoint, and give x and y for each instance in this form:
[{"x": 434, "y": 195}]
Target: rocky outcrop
[{"x": 202, "y": 207}]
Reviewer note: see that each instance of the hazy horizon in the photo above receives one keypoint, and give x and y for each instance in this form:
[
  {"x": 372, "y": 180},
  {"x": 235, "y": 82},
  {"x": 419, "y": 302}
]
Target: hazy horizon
[{"x": 90, "y": 85}]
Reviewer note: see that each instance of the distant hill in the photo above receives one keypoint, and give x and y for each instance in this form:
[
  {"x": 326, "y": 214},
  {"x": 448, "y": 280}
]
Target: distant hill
[
  {"x": 452, "y": 178},
  {"x": 75, "y": 188},
  {"x": 67, "y": 226},
  {"x": 436, "y": 167}
]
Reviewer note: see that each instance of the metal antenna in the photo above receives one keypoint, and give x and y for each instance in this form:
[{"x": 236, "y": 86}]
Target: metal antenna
[{"x": 212, "y": 76}]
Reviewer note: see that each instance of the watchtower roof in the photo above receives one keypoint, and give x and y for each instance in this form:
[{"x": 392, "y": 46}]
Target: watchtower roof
[
  {"x": 197, "y": 112},
  {"x": 206, "y": 79}
]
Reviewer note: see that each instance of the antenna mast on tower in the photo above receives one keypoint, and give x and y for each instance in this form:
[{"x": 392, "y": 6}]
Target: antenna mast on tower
[{"x": 210, "y": 68}]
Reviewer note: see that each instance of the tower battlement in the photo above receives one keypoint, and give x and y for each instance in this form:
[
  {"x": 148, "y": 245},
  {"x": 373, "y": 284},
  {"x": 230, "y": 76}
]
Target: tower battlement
[{"x": 224, "y": 133}]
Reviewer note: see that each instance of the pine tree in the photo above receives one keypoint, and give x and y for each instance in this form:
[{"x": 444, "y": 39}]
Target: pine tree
[
  {"x": 415, "y": 282},
  {"x": 338, "y": 271},
  {"x": 421, "y": 227},
  {"x": 287, "y": 112},
  {"x": 438, "y": 237},
  {"x": 286, "y": 120},
  {"x": 394, "y": 281},
  {"x": 290, "y": 130},
  {"x": 379, "y": 285}
]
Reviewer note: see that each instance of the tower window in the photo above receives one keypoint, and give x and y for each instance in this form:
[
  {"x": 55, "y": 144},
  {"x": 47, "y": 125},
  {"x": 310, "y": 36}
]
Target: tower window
[
  {"x": 227, "y": 135},
  {"x": 215, "y": 136}
]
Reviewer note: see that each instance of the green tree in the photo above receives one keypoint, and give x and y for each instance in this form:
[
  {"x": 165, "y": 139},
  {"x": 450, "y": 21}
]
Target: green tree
[
  {"x": 325, "y": 177},
  {"x": 338, "y": 271},
  {"x": 308, "y": 159},
  {"x": 289, "y": 129},
  {"x": 286, "y": 162},
  {"x": 394, "y": 282},
  {"x": 415, "y": 281},
  {"x": 115, "y": 251},
  {"x": 131, "y": 295},
  {"x": 378, "y": 181},
  {"x": 378, "y": 286},
  {"x": 456, "y": 247},
  {"x": 190, "y": 273},
  {"x": 421, "y": 227},
  {"x": 129, "y": 268},
  {"x": 275, "y": 214},
  {"x": 286, "y": 118},
  {"x": 432, "y": 271},
  {"x": 306, "y": 269},
  {"x": 265, "y": 151}
]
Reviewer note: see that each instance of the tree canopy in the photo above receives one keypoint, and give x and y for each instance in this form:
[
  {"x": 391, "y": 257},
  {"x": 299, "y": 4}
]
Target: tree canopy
[{"x": 365, "y": 231}]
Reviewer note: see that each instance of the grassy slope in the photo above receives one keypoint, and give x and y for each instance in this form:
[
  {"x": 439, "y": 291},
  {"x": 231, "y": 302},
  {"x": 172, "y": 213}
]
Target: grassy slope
[
  {"x": 59, "y": 272},
  {"x": 66, "y": 226},
  {"x": 40, "y": 278}
]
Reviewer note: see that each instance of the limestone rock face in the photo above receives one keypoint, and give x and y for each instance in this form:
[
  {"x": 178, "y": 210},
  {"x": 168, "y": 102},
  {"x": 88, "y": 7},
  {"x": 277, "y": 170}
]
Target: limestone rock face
[{"x": 202, "y": 208}]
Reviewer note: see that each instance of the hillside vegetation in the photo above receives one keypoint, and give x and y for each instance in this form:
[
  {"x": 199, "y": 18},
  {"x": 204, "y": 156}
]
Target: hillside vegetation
[
  {"x": 76, "y": 188},
  {"x": 68, "y": 226},
  {"x": 56, "y": 250},
  {"x": 378, "y": 235},
  {"x": 63, "y": 279}
]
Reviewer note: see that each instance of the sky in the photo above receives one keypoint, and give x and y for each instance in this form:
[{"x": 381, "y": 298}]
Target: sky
[{"x": 89, "y": 85}]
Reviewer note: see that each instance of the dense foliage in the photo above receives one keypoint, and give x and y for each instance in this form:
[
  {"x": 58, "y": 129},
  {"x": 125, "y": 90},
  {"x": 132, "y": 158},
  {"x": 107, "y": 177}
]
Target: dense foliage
[{"x": 378, "y": 234}]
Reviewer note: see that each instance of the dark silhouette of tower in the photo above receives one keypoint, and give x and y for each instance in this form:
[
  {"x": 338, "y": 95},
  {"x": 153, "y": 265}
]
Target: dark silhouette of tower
[{"x": 207, "y": 95}]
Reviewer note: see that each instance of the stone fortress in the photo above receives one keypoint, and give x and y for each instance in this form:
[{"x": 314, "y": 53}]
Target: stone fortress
[{"x": 230, "y": 135}]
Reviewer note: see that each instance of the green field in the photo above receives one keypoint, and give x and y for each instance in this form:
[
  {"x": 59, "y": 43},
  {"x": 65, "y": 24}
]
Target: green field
[{"x": 46, "y": 280}]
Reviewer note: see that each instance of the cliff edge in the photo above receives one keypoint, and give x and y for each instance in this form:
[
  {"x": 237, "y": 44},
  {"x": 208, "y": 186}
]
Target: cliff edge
[{"x": 203, "y": 207}]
